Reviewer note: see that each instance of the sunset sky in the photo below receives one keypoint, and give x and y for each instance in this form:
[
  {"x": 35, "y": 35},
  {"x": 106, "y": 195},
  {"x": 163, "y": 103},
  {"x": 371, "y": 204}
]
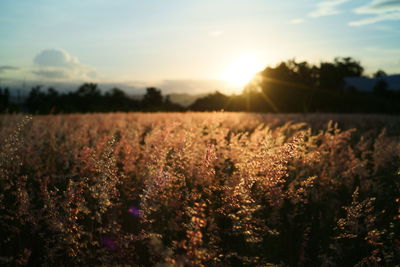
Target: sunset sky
[{"x": 143, "y": 42}]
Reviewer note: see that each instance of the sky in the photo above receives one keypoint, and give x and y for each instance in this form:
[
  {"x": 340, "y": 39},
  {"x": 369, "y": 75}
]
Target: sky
[{"x": 195, "y": 44}]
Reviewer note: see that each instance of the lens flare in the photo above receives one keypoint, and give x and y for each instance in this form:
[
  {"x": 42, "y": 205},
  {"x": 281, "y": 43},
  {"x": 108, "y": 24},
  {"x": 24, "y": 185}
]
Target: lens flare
[
  {"x": 108, "y": 242},
  {"x": 242, "y": 70},
  {"x": 134, "y": 211}
]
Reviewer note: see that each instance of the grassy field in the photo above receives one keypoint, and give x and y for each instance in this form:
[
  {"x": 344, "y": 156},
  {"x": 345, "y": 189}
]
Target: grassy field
[{"x": 200, "y": 189}]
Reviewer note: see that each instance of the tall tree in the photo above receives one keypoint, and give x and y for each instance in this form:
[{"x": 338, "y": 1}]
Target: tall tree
[{"x": 153, "y": 98}]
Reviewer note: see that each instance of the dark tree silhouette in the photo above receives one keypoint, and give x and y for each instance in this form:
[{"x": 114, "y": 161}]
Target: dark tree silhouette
[
  {"x": 117, "y": 100},
  {"x": 379, "y": 74},
  {"x": 380, "y": 88},
  {"x": 152, "y": 99},
  {"x": 331, "y": 75},
  {"x": 88, "y": 98},
  {"x": 211, "y": 102},
  {"x": 4, "y": 99}
]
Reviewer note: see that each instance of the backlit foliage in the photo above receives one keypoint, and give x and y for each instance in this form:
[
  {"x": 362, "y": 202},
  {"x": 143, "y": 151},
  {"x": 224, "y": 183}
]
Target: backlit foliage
[{"x": 199, "y": 189}]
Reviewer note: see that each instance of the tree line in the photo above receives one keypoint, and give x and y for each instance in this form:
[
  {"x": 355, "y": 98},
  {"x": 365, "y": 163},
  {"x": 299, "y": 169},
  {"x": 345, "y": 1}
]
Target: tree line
[
  {"x": 294, "y": 86},
  {"x": 87, "y": 98},
  {"x": 291, "y": 86}
]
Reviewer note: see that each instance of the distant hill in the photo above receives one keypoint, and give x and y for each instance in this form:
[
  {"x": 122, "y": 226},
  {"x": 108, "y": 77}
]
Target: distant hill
[
  {"x": 184, "y": 99},
  {"x": 365, "y": 84}
]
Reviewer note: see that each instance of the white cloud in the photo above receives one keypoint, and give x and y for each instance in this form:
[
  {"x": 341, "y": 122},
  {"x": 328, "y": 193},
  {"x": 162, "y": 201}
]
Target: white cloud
[
  {"x": 296, "y": 21},
  {"x": 327, "y": 8},
  {"x": 379, "y": 7},
  {"x": 379, "y": 10},
  {"x": 60, "y": 65}
]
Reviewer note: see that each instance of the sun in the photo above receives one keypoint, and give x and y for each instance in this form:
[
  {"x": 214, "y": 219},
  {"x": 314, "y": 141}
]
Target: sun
[{"x": 242, "y": 70}]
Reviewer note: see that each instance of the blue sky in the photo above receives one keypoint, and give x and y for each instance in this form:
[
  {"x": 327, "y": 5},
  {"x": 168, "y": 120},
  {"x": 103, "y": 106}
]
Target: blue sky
[{"x": 157, "y": 41}]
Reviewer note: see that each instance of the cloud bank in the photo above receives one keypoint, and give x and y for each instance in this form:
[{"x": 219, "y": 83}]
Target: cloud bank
[
  {"x": 7, "y": 68},
  {"x": 60, "y": 65},
  {"x": 378, "y": 10}
]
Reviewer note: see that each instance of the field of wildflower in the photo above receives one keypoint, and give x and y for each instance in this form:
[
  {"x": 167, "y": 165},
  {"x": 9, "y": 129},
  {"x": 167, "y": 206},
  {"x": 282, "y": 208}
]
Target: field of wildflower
[{"x": 199, "y": 189}]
